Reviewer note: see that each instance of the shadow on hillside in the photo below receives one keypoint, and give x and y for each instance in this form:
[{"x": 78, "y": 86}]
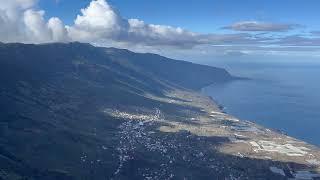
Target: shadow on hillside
[
  {"x": 197, "y": 157},
  {"x": 60, "y": 154}
]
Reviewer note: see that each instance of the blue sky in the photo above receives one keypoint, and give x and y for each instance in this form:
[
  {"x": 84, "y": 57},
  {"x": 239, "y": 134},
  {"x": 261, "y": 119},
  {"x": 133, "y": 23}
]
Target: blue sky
[
  {"x": 203, "y": 16},
  {"x": 192, "y": 29},
  {"x": 209, "y": 15}
]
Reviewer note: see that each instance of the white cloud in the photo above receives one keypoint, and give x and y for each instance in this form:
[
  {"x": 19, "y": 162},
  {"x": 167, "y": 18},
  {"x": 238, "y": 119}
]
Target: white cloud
[
  {"x": 57, "y": 29},
  {"x": 21, "y": 23},
  {"x": 151, "y": 34},
  {"x": 12, "y": 5},
  {"x": 97, "y": 21},
  {"x": 261, "y": 26},
  {"x": 100, "y": 24},
  {"x": 35, "y": 25},
  {"x": 10, "y": 19}
]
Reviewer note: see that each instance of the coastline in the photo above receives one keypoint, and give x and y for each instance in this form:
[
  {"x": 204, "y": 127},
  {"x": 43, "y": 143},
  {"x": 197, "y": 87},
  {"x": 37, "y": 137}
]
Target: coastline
[
  {"x": 267, "y": 143},
  {"x": 223, "y": 110}
]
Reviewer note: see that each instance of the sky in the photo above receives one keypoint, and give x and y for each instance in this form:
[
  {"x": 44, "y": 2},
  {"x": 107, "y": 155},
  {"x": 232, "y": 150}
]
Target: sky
[{"x": 192, "y": 30}]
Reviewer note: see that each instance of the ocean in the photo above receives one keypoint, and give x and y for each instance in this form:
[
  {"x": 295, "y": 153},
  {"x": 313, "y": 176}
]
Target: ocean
[{"x": 282, "y": 96}]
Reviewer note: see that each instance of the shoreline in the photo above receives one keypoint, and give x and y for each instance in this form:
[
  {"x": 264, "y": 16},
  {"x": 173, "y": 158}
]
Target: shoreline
[
  {"x": 223, "y": 108},
  {"x": 248, "y": 139}
]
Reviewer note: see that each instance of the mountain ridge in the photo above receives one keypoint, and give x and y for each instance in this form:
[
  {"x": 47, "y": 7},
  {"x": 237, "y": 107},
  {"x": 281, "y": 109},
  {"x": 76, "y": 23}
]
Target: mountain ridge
[
  {"x": 153, "y": 60},
  {"x": 54, "y": 94},
  {"x": 75, "y": 111}
]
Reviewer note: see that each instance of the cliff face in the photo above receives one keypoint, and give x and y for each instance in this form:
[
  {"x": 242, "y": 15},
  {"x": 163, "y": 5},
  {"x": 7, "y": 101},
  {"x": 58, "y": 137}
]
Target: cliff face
[{"x": 74, "y": 111}]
